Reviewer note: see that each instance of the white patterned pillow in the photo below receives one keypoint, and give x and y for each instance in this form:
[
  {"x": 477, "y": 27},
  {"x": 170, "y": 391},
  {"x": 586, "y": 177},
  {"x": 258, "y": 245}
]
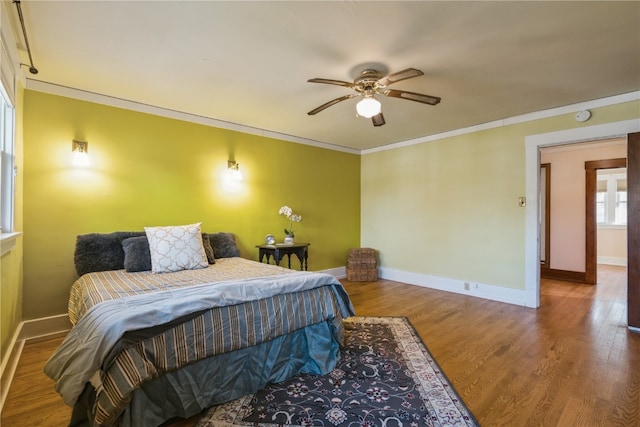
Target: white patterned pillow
[{"x": 176, "y": 248}]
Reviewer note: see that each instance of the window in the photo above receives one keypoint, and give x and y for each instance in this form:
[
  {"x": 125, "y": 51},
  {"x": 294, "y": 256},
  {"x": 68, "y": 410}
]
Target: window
[
  {"x": 7, "y": 167},
  {"x": 8, "y": 71},
  {"x": 611, "y": 197},
  {"x": 601, "y": 206},
  {"x": 621, "y": 202}
]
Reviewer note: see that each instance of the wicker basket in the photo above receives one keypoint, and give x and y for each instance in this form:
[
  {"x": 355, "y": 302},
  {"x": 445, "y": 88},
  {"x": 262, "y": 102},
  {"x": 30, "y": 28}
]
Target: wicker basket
[{"x": 362, "y": 265}]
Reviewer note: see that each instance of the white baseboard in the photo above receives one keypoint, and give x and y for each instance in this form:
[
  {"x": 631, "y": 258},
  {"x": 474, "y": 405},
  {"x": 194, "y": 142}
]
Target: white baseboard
[
  {"x": 27, "y": 331},
  {"x": 45, "y": 326},
  {"x": 610, "y": 260},
  {"x": 9, "y": 365},
  {"x": 338, "y": 273},
  {"x": 475, "y": 289}
]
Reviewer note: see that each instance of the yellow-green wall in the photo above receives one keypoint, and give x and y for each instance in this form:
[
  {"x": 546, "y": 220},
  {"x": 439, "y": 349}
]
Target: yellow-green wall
[
  {"x": 11, "y": 263},
  {"x": 148, "y": 170},
  {"x": 446, "y": 208},
  {"x": 449, "y": 208}
]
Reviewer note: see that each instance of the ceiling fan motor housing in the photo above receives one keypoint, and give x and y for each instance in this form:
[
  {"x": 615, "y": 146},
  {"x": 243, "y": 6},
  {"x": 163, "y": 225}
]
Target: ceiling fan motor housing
[{"x": 367, "y": 83}]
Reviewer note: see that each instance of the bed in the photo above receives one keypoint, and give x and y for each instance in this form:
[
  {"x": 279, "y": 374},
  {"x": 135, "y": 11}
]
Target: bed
[{"x": 147, "y": 347}]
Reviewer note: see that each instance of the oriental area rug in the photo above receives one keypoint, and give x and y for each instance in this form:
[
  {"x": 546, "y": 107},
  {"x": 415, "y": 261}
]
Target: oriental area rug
[{"x": 385, "y": 377}]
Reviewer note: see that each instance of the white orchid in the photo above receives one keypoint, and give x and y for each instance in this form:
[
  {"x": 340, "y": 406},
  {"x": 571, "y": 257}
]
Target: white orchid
[{"x": 288, "y": 212}]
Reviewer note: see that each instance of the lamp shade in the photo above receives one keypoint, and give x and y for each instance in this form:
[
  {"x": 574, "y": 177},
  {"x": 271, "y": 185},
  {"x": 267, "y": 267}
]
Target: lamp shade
[{"x": 368, "y": 107}]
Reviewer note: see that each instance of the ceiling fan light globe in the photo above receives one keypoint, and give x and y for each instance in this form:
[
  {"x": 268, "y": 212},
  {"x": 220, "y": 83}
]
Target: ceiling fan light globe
[{"x": 368, "y": 107}]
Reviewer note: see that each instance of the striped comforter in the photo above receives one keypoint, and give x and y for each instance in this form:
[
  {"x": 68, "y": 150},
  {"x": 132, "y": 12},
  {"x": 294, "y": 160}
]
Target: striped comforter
[
  {"x": 94, "y": 288},
  {"x": 230, "y": 305}
]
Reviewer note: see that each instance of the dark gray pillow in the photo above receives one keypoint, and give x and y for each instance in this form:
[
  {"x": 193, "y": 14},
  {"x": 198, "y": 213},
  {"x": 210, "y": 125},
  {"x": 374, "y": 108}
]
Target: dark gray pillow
[
  {"x": 137, "y": 256},
  {"x": 101, "y": 252},
  {"x": 104, "y": 251},
  {"x": 224, "y": 245},
  {"x": 206, "y": 243}
]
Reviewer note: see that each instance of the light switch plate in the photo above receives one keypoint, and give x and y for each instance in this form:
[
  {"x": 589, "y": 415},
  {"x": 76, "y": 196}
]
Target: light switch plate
[{"x": 522, "y": 202}]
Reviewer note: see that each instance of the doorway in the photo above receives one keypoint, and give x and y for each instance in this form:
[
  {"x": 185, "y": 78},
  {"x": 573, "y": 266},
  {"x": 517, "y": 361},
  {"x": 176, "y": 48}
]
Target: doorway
[
  {"x": 591, "y": 232},
  {"x": 567, "y": 198},
  {"x": 533, "y": 144},
  {"x": 599, "y": 173}
]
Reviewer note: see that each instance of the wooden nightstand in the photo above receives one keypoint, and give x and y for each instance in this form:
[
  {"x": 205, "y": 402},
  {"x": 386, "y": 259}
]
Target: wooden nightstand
[{"x": 277, "y": 251}]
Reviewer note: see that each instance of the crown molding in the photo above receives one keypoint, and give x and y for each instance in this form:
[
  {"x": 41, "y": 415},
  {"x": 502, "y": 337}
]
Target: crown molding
[
  {"x": 523, "y": 118},
  {"x": 69, "y": 92},
  {"x": 54, "y": 89}
]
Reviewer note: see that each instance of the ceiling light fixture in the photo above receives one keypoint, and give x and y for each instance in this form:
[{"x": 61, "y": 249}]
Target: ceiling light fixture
[
  {"x": 80, "y": 156},
  {"x": 368, "y": 107},
  {"x": 233, "y": 169},
  {"x": 370, "y": 83}
]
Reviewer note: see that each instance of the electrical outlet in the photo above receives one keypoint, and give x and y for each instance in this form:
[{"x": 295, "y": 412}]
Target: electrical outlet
[
  {"x": 467, "y": 286},
  {"x": 522, "y": 202}
]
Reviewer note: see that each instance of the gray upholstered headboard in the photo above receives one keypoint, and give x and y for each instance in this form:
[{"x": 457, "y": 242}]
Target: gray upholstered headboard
[{"x": 104, "y": 251}]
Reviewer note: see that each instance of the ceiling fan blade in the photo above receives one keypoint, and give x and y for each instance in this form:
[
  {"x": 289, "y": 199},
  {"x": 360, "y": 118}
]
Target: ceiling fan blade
[
  {"x": 378, "y": 119},
  {"x": 330, "y": 103},
  {"x": 418, "y": 97},
  {"x": 400, "y": 75},
  {"x": 332, "y": 82}
]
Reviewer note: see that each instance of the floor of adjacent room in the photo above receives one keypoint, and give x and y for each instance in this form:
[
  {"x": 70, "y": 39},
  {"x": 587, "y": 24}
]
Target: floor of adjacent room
[{"x": 573, "y": 361}]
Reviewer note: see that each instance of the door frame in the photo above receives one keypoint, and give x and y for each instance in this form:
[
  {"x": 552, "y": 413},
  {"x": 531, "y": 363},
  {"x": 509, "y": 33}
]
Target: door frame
[
  {"x": 591, "y": 230},
  {"x": 546, "y": 264},
  {"x": 533, "y": 143},
  {"x": 633, "y": 232}
]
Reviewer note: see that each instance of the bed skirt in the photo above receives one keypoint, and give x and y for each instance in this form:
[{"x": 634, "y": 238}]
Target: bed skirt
[{"x": 189, "y": 390}]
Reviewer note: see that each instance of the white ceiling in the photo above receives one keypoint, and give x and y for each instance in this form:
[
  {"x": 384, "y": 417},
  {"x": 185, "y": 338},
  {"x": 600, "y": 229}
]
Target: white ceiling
[{"x": 248, "y": 63}]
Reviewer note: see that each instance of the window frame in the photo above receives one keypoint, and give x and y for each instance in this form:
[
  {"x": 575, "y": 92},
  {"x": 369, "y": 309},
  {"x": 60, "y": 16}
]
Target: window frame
[
  {"x": 8, "y": 235},
  {"x": 7, "y": 162},
  {"x": 9, "y": 73}
]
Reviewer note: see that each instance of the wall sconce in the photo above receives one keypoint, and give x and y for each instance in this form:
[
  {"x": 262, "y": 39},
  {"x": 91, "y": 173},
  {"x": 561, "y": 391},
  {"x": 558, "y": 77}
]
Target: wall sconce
[
  {"x": 233, "y": 170},
  {"x": 80, "y": 156}
]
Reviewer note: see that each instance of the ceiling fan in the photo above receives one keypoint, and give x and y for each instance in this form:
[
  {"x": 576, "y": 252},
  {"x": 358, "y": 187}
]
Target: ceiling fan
[{"x": 371, "y": 83}]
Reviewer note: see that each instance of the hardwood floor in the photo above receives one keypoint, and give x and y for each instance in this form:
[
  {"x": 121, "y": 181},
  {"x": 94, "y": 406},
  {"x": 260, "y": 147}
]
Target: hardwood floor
[{"x": 572, "y": 362}]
